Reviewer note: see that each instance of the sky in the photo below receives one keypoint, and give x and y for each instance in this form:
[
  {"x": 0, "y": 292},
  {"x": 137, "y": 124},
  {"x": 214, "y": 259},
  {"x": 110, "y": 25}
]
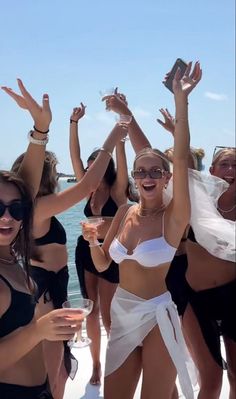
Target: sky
[{"x": 74, "y": 49}]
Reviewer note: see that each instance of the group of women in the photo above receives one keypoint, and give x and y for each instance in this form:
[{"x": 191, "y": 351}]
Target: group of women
[{"x": 141, "y": 267}]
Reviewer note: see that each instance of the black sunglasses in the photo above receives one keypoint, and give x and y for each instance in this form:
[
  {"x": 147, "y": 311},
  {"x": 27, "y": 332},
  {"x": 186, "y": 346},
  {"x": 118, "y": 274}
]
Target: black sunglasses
[
  {"x": 141, "y": 174},
  {"x": 16, "y": 209}
]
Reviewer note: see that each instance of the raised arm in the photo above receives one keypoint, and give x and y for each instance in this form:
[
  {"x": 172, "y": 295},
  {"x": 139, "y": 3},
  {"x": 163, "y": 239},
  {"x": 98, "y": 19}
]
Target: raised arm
[
  {"x": 50, "y": 205},
  {"x": 117, "y": 103},
  {"x": 75, "y": 152},
  {"x": 32, "y": 165},
  {"x": 169, "y": 121},
  {"x": 180, "y": 205},
  {"x": 121, "y": 183}
]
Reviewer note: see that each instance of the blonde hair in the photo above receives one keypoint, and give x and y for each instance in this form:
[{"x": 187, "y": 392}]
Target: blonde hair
[
  {"x": 48, "y": 182},
  {"x": 156, "y": 152},
  {"x": 221, "y": 152},
  {"x": 197, "y": 155}
]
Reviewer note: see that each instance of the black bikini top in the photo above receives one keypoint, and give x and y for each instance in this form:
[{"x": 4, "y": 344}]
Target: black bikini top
[
  {"x": 108, "y": 209},
  {"x": 20, "y": 312},
  {"x": 55, "y": 235}
]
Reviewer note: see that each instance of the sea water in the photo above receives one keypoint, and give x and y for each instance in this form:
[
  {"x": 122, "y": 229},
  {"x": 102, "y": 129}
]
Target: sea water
[{"x": 70, "y": 220}]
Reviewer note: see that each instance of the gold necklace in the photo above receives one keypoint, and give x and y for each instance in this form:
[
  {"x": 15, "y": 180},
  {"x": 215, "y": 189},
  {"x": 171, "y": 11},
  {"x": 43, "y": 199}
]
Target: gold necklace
[
  {"x": 226, "y": 210},
  {"x": 143, "y": 212},
  {"x": 8, "y": 261}
]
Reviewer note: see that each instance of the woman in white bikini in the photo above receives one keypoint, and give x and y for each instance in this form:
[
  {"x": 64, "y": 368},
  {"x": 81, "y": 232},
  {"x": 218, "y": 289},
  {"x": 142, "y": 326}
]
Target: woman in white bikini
[{"x": 145, "y": 330}]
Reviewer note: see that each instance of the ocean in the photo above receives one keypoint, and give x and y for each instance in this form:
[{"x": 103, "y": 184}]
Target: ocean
[{"x": 71, "y": 221}]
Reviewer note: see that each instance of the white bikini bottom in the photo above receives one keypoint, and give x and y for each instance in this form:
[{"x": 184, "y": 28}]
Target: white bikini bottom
[{"x": 132, "y": 318}]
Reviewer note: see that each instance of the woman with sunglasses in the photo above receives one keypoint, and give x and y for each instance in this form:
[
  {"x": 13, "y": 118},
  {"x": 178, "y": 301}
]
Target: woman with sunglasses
[
  {"x": 22, "y": 369},
  {"x": 145, "y": 331},
  {"x": 104, "y": 201},
  {"x": 48, "y": 264}
]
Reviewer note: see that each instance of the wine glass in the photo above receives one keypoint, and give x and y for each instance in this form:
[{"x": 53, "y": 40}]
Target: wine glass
[
  {"x": 84, "y": 306},
  {"x": 94, "y": 221}
]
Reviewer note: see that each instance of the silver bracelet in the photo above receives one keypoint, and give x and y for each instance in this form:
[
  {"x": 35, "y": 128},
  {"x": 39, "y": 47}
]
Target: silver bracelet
[
  {"x": 106, "y": 151},
  {"x": 36, "y": 141},
  {"x": 95, "y": 244}
]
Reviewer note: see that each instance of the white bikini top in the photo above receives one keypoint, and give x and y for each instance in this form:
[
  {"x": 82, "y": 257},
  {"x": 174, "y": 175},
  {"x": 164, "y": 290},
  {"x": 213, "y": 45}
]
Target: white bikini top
[{"x": 149, "y": 253}]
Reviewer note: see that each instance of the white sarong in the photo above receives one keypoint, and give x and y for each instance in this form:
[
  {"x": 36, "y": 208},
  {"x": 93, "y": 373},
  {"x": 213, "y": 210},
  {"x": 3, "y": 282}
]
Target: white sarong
[{"x": 132, "y": 318}]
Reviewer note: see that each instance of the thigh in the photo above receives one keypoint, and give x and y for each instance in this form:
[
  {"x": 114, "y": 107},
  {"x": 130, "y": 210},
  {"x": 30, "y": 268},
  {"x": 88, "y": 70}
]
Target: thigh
[
  {"x": 230, "y": 349},
  {"x": 106, "y": 293},
  {"x": 208, "y": 368},
  {"x": 122, "y": 383},
  {"x": 91, "y": 282},
  {"x": 159, "y": 372}
]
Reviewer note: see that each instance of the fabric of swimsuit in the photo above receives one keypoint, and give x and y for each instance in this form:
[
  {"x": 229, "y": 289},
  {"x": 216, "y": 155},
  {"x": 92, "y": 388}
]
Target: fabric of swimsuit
[
  {"x": 19, "y": 314},
  {"x": 53, "y": 286},
  {"x": 83, "y": 258}
]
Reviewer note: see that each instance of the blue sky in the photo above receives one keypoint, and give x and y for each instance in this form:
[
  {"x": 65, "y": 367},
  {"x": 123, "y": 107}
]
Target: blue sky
[{"x": 73, "y": 49}]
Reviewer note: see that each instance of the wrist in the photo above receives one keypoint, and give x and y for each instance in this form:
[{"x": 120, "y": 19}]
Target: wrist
[
  {"x": 94, "y": 243},
  {"x": 73, "y": 121}
]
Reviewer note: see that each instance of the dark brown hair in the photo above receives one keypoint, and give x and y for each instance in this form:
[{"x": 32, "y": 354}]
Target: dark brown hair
[{"x": 21, "y": 246}]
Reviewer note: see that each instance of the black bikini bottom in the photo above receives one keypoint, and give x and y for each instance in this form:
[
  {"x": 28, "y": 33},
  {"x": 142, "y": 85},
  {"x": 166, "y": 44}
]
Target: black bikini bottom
[
  {"x": 175, "y": 282},
  {"x": 84, "y": 261},
  {"x": 12, "y": 391},
  {"x": 215, "y": 312}
]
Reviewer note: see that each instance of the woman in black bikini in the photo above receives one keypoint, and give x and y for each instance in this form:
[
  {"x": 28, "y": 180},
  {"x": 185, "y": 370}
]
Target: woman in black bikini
[
  {"x": 49, "y": 260},
  {"x": 104, "y": 201},
  {"x": 22, "y": 370}
]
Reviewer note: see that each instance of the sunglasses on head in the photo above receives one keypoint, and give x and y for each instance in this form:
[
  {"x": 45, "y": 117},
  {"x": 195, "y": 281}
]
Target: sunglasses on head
[
  {"x": 219, "y": 148},
  {"x": 154, "y": 174},
  {"x": 16, "y": 209}
]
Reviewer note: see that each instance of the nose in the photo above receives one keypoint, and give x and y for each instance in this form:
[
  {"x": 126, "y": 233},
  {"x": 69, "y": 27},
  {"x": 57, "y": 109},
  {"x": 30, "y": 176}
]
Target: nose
[{"x": 6, "y": 216}]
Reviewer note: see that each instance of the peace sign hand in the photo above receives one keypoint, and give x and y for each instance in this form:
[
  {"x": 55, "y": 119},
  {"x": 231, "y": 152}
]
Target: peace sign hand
[{"x": 41, "y": 114}]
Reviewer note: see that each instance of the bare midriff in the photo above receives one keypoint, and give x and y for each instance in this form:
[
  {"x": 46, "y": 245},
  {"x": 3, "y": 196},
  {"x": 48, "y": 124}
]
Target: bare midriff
[
  {"x": 145, "y": 282},
  {"x": 205, "y": 270}
]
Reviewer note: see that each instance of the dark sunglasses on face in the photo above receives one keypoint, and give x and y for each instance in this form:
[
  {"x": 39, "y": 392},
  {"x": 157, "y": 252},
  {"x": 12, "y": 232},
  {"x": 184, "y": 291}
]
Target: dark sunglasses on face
[
  {"x": 153, "y": 174},
  {"x": 16, "y": 209}
]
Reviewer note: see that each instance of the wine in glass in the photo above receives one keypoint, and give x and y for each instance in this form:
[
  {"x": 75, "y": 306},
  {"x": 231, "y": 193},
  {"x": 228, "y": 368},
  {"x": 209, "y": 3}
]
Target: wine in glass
[{"x": 82, "y": 307}]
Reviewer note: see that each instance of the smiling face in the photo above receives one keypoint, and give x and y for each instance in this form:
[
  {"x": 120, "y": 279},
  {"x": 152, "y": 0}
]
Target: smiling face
[
  {"x": 224, "y": 166},
  {"x": 150, "y": 188},
  {"x": 9, "y": 227}
]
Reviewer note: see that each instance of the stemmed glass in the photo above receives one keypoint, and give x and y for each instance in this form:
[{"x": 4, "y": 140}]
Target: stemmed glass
[{"x": 82, "y": 307}]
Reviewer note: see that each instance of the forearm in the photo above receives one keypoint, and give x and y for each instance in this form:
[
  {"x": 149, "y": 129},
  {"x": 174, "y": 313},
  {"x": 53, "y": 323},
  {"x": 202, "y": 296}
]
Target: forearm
[
  {"x": 122, "y": 169},
  {"x": 137, "y": 136},
  {"x": 28, "y": 172},
  {"x": 16, "y": 346},
  {"x": 75, "y": 153},
  {"x": 181, "y": 135},
  {"x": 100, "y": 260}
]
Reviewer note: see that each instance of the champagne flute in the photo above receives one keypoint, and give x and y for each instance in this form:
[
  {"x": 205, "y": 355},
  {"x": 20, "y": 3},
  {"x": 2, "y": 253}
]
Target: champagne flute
[{"x": 84, "y": 307}]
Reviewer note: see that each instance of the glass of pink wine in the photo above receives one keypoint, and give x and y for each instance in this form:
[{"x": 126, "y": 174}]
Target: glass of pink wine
[{"x": 82, "y": 308}]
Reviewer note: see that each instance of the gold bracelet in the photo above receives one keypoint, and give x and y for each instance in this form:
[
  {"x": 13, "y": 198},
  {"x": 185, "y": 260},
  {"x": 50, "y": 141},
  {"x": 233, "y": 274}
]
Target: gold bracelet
[{"x": 106, "y": 151}]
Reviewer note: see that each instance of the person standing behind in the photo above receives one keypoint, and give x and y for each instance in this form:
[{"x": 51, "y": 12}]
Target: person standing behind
[{"x": 104, "y": 201}]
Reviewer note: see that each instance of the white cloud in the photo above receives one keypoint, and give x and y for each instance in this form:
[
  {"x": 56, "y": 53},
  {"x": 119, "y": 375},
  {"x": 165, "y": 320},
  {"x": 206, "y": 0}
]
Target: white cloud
[
  {"x": 141, "y": 113},
  {"x": 216, "y": 96}
]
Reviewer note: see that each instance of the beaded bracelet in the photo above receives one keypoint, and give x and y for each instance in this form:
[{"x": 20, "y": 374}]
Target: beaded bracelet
[
  {"x": 36, "y": 141},
  {"x": 106, "y": 151}
]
